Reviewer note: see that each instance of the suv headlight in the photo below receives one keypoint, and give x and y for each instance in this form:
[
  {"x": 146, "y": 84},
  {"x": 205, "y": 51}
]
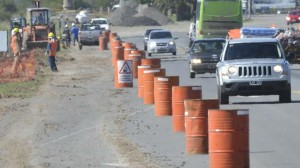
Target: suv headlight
[
  {"x": 152, "y": 44},
  {"x": 278, "y": 69},
  {"x": 228, "y": 70},
  {"x": 171, "y": 43},
  {"x": 232, "y": 70}
]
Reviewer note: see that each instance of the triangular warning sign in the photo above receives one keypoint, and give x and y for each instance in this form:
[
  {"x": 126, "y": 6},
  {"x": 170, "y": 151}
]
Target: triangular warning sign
[{"x": 125, "y": 69}]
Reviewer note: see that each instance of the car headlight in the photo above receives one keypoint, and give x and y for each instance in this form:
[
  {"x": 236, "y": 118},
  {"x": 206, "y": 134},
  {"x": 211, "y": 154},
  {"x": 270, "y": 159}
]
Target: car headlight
[
  {"x": 152, "y": 44},
  {"x": 278, "y": 69},
  {"x": 232, "y": 70},
  {"x": 288, "y": 18},
  {"x": 171, "y": 43},
  {"x": 196, "y": 61}
]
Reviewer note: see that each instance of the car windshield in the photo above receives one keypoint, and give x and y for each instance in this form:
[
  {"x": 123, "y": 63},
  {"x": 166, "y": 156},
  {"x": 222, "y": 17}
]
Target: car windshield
[
  {"x": 253, "y": 51},
  {"x": 99, "y": 22},
  {"x": 207, "y": 47},
  {"x": 160, "y": 35},
  {"x": 149, "y": 31}
]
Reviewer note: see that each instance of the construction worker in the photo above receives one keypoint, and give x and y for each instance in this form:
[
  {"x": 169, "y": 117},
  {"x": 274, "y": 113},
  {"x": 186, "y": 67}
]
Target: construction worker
[
  {"x": 66, "y": 36},
  {"x": 16, "y": 48},
  {"x": 51, "y": 51},
  {"x": 74, "y": 33}
]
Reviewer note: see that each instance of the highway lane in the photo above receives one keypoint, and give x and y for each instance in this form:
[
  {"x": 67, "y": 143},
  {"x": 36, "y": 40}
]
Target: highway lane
[{"x": 274, "y": 126}]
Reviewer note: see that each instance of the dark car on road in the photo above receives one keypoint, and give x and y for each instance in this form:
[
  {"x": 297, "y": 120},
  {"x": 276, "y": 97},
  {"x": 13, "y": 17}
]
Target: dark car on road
[
  {"x": 293, "y": 17},
  {"x": 203, "y": 55},
  {"x": 146, "y": 37}
]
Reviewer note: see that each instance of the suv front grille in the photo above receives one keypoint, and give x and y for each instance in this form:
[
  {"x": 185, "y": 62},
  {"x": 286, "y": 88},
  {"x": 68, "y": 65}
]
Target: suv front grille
[
  {"x": 161, "y": 44},
  {"x": 255, "y": 71}
]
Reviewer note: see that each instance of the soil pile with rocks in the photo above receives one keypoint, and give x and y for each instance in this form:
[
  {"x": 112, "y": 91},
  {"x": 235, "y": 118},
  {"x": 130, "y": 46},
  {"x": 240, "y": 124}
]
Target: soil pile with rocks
[{"x": 128, "y": 15}]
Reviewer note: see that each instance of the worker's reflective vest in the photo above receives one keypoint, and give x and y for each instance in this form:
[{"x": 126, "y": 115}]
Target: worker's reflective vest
[
  {"x": 52, "y": 47},
  {"x": 15, "y": 44}
]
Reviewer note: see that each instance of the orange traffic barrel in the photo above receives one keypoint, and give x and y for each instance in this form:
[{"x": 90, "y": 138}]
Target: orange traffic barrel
[
  {"x": 163, "y": 94},
  {"x": 115, "y": 43},
  {"x": 148, "y": 81},
  {"x": 128, "y": 47},
  {"x": 112, "y": 36},
  {"x": 196, "y": 124},
  {"x": 153, "y": 62},
  {"x": 123, "y": 74},
  {"x": 141, "y": 70},
  {"x": 102, "y": 43},
  {"x": 117, "y": 54},
  {"x": 179, "y": 94},
  {"x": 225, "y": 147},
  {"x": 136, "y": 57},
  {"x": 105, "y": 34}
]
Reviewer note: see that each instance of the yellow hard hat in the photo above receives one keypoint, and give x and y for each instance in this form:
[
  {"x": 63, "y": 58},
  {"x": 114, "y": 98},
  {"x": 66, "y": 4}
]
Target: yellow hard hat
[
  {"x": 16, "y": 30},
  {"x": 50, "y": 35}
]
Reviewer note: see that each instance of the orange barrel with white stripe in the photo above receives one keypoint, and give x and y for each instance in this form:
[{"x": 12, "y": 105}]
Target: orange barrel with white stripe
[
  {"x": 136, "y": 57},
  {"x": 123, "y": 74},
  {"x": 179, "y": 94},
  {"x": 163, "y": 94},
  {"x": 141, "y": 70},
  {"x": 118, "y": 54},
  {"x": 148, "y": 79},
  {"x": 112, "y": 36},
  {"x": 128, "y": 47},
  {"x": 225, "y": 147},
  {"x": 153, "y": 62},
  {"x": 196, "y": 124}
]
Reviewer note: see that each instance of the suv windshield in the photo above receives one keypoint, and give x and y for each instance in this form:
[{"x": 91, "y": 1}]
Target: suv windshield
[
  {"x": 253, "y": 51},
  {"x": 99, "y": 22},
  {"x": 160, "y": 35}
]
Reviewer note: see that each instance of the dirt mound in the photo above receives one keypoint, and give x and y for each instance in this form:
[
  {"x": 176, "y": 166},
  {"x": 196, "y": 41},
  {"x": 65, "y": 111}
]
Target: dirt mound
[{"x": 129, "y": 16}]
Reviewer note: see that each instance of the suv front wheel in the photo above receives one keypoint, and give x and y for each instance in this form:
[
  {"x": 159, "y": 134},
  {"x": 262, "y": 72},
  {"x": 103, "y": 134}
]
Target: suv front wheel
[
  {"x": 285, "y": 97},
  {"x": 223, "y": 98}
]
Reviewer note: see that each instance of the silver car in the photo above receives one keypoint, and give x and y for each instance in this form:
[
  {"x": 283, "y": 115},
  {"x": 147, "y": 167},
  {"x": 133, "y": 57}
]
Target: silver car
[
  {"x": 161, "y": 41},
  {"x": 146, "y": 37}
]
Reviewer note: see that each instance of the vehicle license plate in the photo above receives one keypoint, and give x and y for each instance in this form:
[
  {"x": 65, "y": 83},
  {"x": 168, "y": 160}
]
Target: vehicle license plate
[
  {"x": 255, "y": 83},
  {"x": 162, "y": 49}
]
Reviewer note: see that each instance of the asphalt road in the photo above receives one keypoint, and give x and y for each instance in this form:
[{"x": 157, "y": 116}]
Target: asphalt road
[{"x": 274, "y": 126}]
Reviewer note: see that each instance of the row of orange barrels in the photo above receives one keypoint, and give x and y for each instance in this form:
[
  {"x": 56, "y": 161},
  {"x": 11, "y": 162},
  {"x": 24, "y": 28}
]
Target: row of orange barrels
[{"x": 224, "y": 134}]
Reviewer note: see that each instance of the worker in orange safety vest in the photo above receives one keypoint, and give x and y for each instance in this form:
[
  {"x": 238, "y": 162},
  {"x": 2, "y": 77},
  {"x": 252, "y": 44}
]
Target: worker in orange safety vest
[
  {"x": 51, "y": 51},
  {"x": 16, "y": 48}
]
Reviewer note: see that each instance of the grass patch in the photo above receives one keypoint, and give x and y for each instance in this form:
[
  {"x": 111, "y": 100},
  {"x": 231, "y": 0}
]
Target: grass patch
[{"x": 21, "y": 89}]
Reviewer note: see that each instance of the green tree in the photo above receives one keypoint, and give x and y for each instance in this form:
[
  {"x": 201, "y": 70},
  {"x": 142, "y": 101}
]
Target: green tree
[{"x": 6, "y": 8}]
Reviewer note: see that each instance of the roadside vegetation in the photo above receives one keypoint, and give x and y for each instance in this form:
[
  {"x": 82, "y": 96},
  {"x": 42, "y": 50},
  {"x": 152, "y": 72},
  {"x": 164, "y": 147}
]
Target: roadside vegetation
[{"x": 21, "y": 89}]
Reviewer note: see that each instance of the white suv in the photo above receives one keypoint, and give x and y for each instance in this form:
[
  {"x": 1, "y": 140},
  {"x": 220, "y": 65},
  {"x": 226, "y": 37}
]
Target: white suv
[
  {"x": 102, "y": 22},
  {"x": 253, "y": 66}
]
